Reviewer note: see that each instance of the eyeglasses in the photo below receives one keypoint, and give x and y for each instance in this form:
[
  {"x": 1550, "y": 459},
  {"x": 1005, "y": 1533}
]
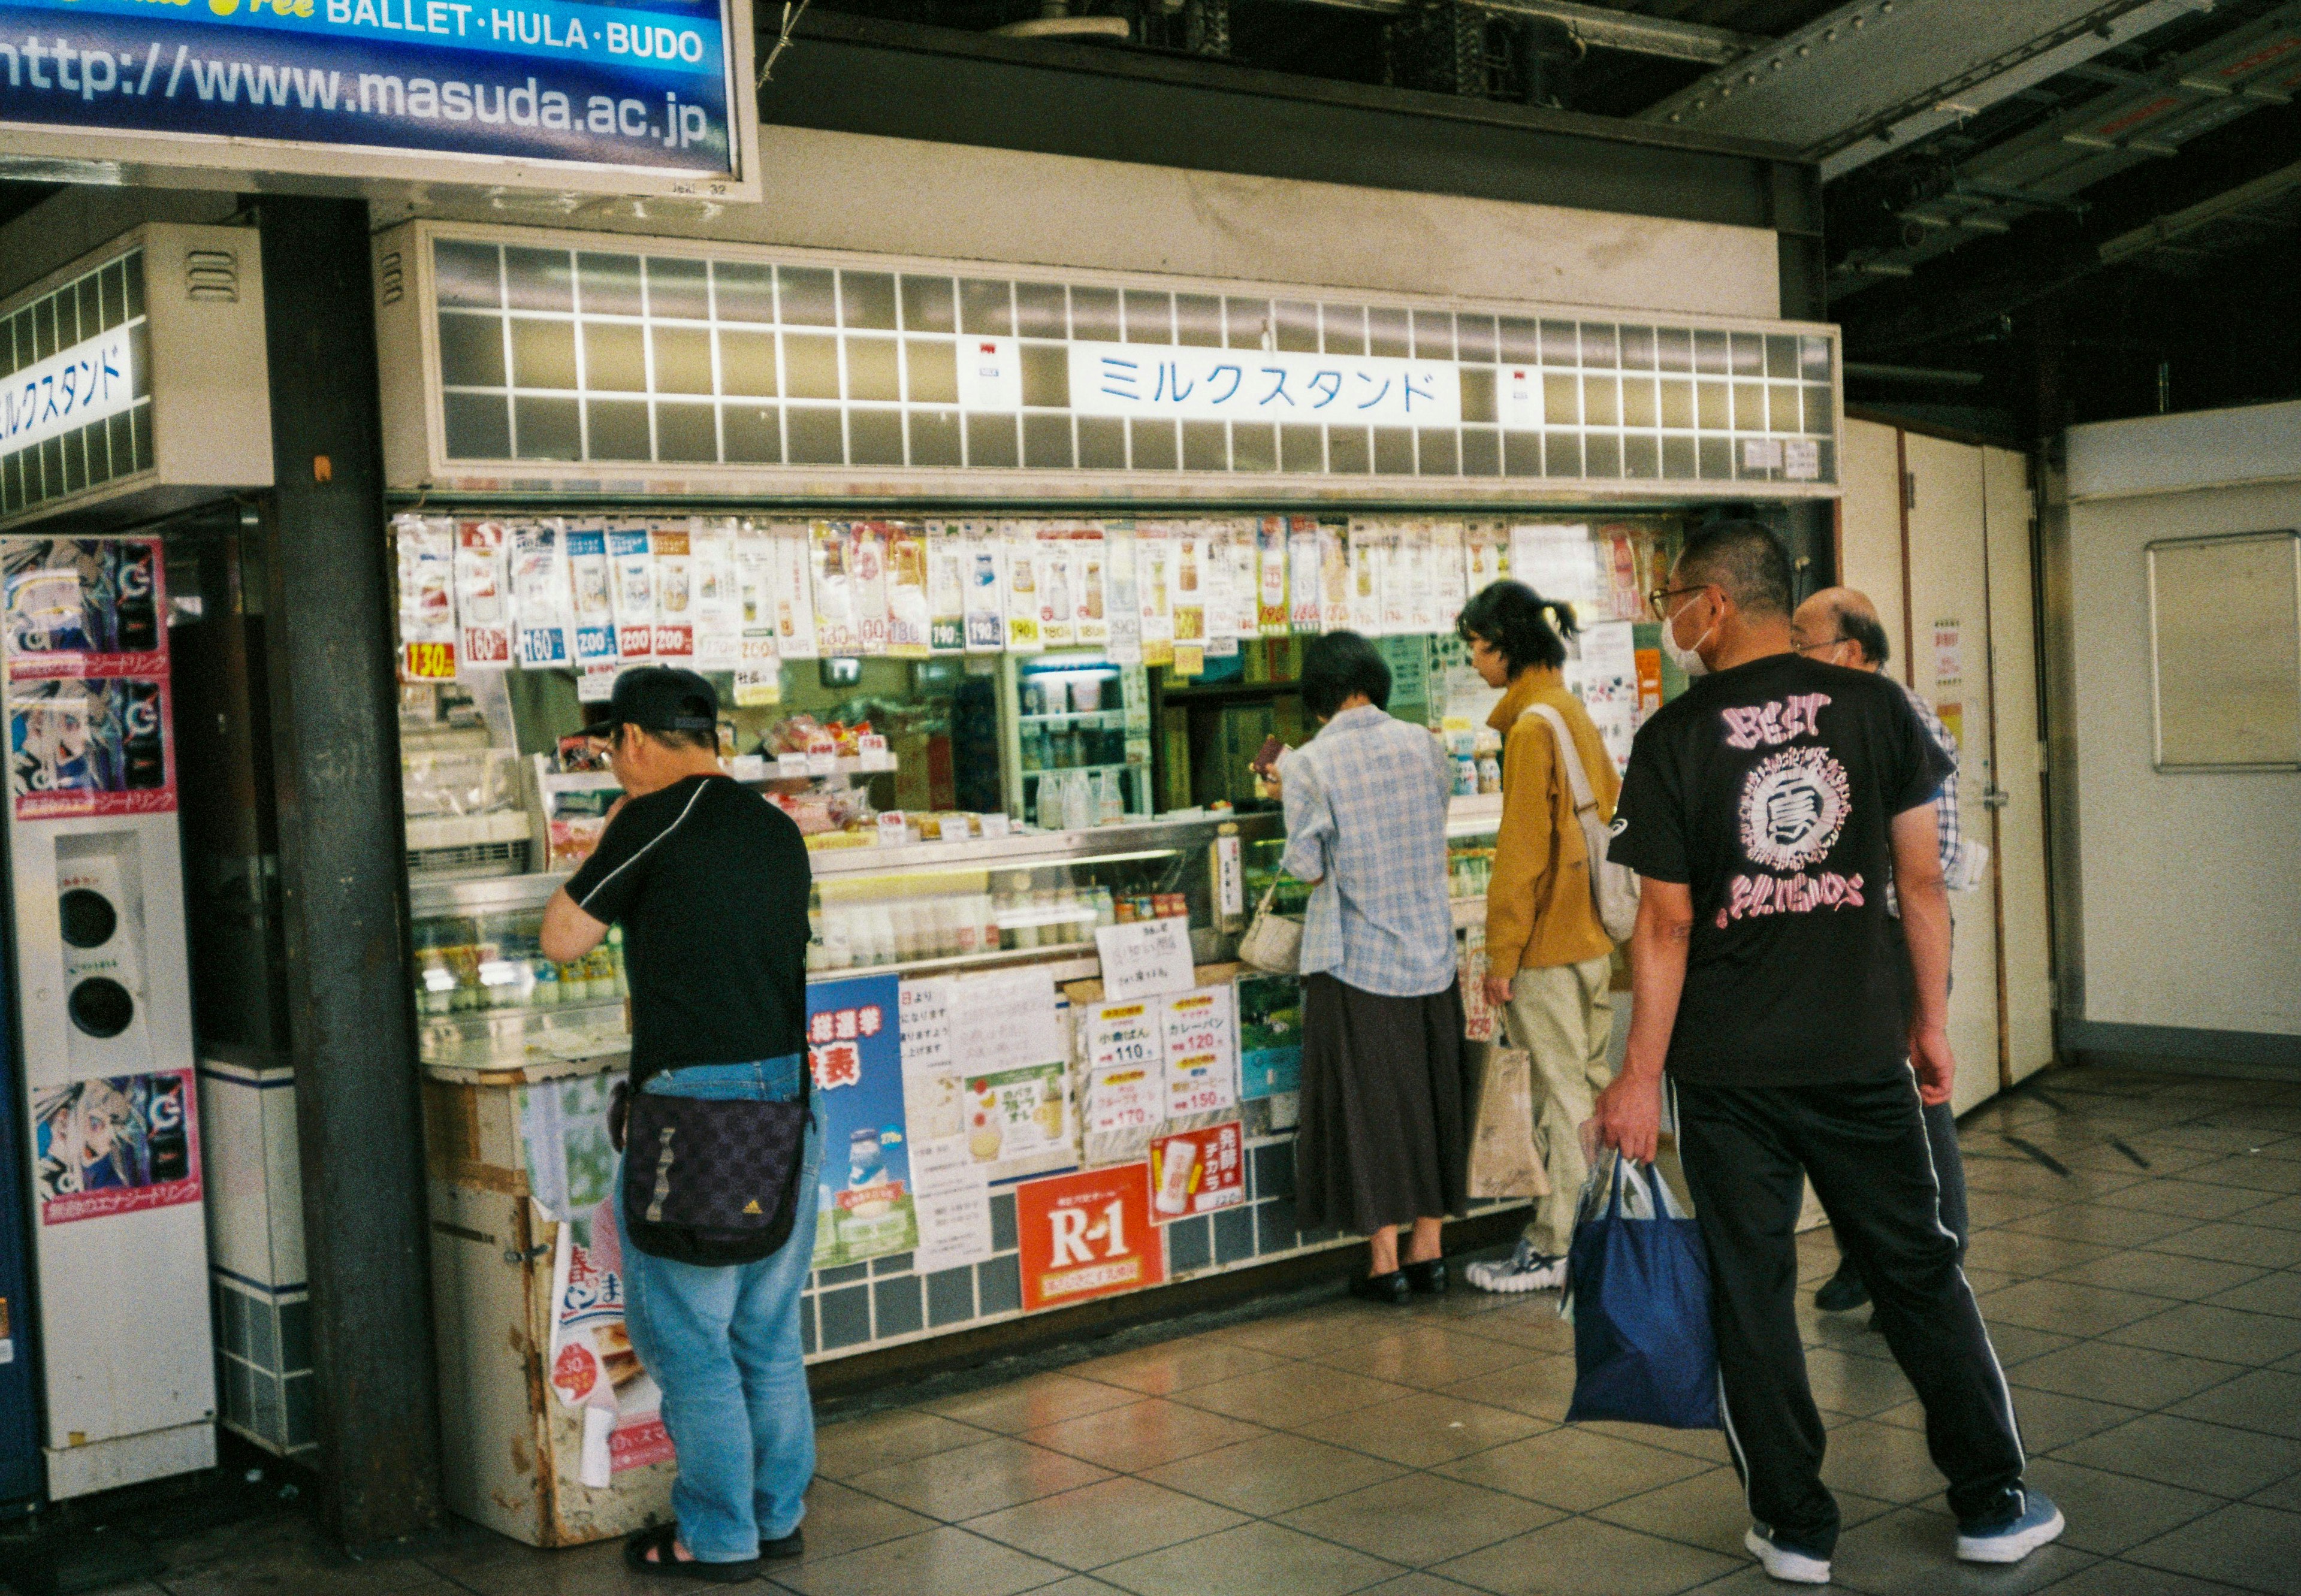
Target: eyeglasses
[
  {"x": 1658, "y": 600},
  {"x": 1817, "y": 647}
]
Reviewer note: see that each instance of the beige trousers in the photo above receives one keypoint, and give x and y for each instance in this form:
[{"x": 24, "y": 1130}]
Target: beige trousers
[{"x": 1562, "y": 1016}]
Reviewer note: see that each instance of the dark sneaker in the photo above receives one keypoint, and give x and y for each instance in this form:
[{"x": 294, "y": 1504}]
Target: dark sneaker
[
  {"x": 1783, "y": 1561},
  {"x": 2038, "y": 1524},
  {"x": 1843, "y": 1293}
]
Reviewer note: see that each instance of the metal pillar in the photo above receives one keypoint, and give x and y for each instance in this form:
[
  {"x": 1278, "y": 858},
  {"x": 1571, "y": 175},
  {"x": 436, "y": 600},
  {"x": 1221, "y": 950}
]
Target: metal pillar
[{"x": 343, "y": 872}]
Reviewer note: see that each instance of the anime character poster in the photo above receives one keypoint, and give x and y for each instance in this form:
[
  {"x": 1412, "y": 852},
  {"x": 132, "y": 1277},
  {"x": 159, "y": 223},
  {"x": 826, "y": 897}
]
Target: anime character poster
[
  {"x": 90, "y": 746},
  {"x": 71, "y": 598},
  {"x": 114, "y": 1145}
]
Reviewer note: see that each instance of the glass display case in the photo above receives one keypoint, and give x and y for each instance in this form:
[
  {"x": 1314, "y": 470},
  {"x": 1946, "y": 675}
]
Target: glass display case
[
  {"x": 1471, "y": 824},
  {"x": 1079, "y": 754}
]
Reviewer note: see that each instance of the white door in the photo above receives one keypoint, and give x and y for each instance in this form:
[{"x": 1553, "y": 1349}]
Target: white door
[
  {"x": 2016, "y": 832},
  {"x": 1945, "y": 655}
]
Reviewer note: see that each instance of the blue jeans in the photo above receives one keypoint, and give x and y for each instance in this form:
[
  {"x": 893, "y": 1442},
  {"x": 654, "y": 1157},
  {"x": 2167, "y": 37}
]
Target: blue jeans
[{"x": 724, "y": 1344}]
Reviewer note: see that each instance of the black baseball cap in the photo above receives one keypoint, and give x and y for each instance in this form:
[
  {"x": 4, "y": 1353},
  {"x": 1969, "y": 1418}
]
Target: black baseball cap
[{"x": 659, "y": 699}]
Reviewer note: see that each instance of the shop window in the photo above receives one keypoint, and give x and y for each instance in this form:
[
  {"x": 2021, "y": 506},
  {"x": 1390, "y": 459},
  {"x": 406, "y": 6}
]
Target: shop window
[
  {"x": 1047, "y": 442},
  {"x": 478, "y": 426},
  {"x": 1637, "y": 348},
  {"x": 1813, "y": 359},
  {"x": 1781, "y": 407},
  {"x": 875, "y": 436},
  {"x": 928, "y": 306},
  {"x": 468, "y": 274},
  {"x": 1046, "y": 376},
  {"x": 1253, "y": 447},
  {"x": 1434, "y": 335},
  {"x": 751, "y": 434},
  {"x": 1561, "y": 344},
  {"x": 1819, "y": 416},
  {"x": 742, "y": 293},
  {"x": 986, "y": 307},
  {"x": 1521, "y": 340},
  {"x": 1641, "y": 456},
  {"x": 747, "y": 363},
  {"x": 547, "y": 429},
  {"x": 805, "y": 296},
  {"x": 931, "y": 367},
  {"x": 1717, "y": 458},
  {"x": 470, "y": 351},
  {"x": 1713, "y": 401},
  {"x": 867, "y": 299},
  {"x": 1676, "y": 404},
  {"x": 872, "y": 370},
  {"x": 1198, "y": 321},
  {"x": 616, "y": 429},
  {"x": 1749, "y": 407},
  {"x": 543, "y": 353},
  {"x": 1674, "y": 348},
  {"x": 677, "y": 290},
  {"x": 1149, "y": 316},
  {"x": 686, "y": 432},
  {"x": 1561, "y": 399},
  {"x": 1475, "y": 338},
  {"x": 815, "y": 436},
  {"x": 1710, "y": 353},
  {"x": 1393, "y": 451},
  {"x": 1039, "y": 311},
  {"x": 139, "y": 355},
  {"x": 1101, "y": 443},
  {"x": 1600, "y": 346},
  {"x": 1152, "y": 444},
  {"x": 810, "y": 366},
  {"x": 1677, "y": 459},
  {"x": 1638, "y": 407},
  {"x": 609, "y": 285},
  {"x": 934, "y": 437},
  {"x": 615, "y": 360},
  {"x": 1749, "y": 355}
]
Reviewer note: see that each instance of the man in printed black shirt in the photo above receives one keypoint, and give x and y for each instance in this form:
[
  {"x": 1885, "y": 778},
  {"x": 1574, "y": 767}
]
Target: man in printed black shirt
[
  {"x": 1765, "y": 810},
  {"x": 710, "y": 883}
]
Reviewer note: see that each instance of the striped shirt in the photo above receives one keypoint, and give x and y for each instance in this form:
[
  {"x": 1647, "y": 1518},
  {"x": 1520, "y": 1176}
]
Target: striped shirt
[
  {"x": 1952, "y": 849},
  {"x": 1366, "y": 819}
]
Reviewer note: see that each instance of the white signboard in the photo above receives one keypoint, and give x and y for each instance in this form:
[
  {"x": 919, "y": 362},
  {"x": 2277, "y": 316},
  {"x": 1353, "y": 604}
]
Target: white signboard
[
  {"x": 1154, "y": 379},
  {"x": 90, "y": 380},
  {"x": 1146, "y": 960}
]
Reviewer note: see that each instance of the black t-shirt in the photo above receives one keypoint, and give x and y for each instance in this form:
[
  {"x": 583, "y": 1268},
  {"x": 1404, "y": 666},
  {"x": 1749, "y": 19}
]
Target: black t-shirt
[
  {"x": 710, "y": 883},
  {"x": 1769, "y": 789}
]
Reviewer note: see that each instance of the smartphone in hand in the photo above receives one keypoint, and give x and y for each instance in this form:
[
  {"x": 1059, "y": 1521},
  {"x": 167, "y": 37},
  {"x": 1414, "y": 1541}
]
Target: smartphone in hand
[{"x": 1265, "y": 764}]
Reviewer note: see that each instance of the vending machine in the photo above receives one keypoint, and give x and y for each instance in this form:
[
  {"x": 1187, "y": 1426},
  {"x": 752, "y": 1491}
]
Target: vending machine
[{"x": 104, "y": 1020}]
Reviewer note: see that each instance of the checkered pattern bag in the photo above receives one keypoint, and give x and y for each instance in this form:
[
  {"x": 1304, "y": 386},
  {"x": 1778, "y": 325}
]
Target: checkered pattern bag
[{"x": 712, "y": 1181}]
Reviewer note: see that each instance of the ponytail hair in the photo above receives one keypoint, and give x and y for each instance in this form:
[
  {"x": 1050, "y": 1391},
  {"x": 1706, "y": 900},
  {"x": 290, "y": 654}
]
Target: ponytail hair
[{"x": 1520, "y": 625}]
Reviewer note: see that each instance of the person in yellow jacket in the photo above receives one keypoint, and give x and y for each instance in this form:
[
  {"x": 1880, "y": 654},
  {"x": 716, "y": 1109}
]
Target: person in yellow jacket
[{"x": 1549, "y": 960}]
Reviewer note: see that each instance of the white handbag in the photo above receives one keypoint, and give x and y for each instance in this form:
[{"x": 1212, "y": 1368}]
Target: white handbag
[
  {"x": 1273, "y": 941},
  {"x": 1613, "y": 888}
]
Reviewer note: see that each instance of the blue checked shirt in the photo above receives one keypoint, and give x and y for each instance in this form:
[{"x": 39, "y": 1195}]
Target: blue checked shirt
[
  {"x": 1953, "y": 851},
  {"x": 1366, "y": 819}
]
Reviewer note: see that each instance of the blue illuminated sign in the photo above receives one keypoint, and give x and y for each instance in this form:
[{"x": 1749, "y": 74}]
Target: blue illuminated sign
[{"x": 643, "y": 86}]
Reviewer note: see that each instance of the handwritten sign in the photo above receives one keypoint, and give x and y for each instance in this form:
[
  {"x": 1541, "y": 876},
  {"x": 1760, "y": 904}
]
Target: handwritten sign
[{"x": 1146, "y": 960}]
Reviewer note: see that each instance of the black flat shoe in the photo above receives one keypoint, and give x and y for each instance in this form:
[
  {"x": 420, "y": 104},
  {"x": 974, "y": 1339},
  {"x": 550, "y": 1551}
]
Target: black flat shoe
[
  {"x": 662, "y": 1541},
  {"x": 1843, "y": 1294},
  {"x": 1390, "y": 1289},
  {"x": 1427, "y": 1278},
  {"x": 793, "y": 1545}
]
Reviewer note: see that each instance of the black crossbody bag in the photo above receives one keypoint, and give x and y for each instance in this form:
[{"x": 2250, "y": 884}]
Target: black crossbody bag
[{"x": 711, "y": 1180}]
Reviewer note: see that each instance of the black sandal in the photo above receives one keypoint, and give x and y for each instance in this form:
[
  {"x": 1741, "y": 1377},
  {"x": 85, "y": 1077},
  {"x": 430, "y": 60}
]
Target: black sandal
[{"x": 663, "y": 1540}]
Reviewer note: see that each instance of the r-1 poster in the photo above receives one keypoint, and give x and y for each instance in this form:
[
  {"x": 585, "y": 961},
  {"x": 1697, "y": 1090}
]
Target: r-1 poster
[
  {"x": 865, "y": 1208},
  {"x": 116, "y": 1144}
]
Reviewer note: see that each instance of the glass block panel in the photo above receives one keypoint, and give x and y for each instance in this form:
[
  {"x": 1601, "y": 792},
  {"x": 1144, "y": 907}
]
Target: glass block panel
[
  {"x": 1717, "y": 459},
  {"x": 990, "y": 440},
  {"x": 1047, "y": 442},
  {"x": 934, "y": 437},
  {"x": 1749, "y": 355},
  {"x": 683, "y": 359},
  {"x": 1198, "y": 321},
  {"x": 472, "y": 352},
  {"x": 986, "y": 306},
  {"x": 931, "y": 368},
  {"x": 1819, "y": 412},
  {"x": 810, "y": 366},
  {"x": 1388, "y": 332},
  {"x": 1781, "y": 356},
  {"x": 1343, "y": 327},
  {"x": 1677, "y": 403},
  {"x": 1522, "y": 454},
  {"x": 1348, "y": 452},
  {"x": 678, "y": 291},
  {"x": 1298, "y": 326},
  {"x": 1710, "y": 353},
  {"x": 1474, "y": 338},
  {"x": 609, "y": 284},
  {"x": 1150, "y": 444},
  {"x": 1245, "y": 320},
  {"x": 747, "y": 363},
  {"x": 1094, "y": 315},
  {"x": 1601, "y": 346},
  {"x": 1481, "y": 452},
  {"x": 1149, "y": 316},
  {"x": 1601, "y": 401},
  {"x": 1639, "y": 408},
  {"x": 1561, "y": 456},
  {"x": 1039, "y": 311},
  {"x": 929, "y": 305},
  {"x": 537, "y": 279},
  {"x": 1749, "y": 406},
  {"x": 872, "y": 370},
  {"x": 1206, "y": 445},
  {"x": 616, "y": 429},
  {"x": 741, "y": 293},
  {"x": 1047, "y": 375},
  {"x": 1477, "y": 393},
  {"x": 1434, "y": 335},
  {"x": 1712, "y": 408},
  {"x": 1302, "y": 450},
  {"x": 875, "y": 436},
  {"x": 816, "y": 437},
  {"x": 808, "y": 295},
  {"x": 1813, "y": 359},
  {"x": 686, "y": 432},
  {"x": 1677, "y": 459},
  {"x": 1602, "y": 453},
  {"x": 1437, "y": 454},
  {"x": 615, "y": 358},
  {"x": 1101, "y": 443},
  {"x": 1637, "y": 348},
  {"x": 468, "y": 274},
  {"x": 753, "y": 434},
  {"x": 479, "y": 426},
  {"x": 1254, "y": 445},
  {"x": 549, "y": 429},
  {"x": 1561, "y": 399},
  {"x": 1521, "y": 340},
  {"x": 868, "y": 299},
  {"x": 1561, "y": 344}
]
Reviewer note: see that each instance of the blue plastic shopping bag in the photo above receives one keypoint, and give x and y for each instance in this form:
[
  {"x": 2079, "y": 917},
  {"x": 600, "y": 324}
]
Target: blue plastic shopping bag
[{"x": 1638, "y": 1293}]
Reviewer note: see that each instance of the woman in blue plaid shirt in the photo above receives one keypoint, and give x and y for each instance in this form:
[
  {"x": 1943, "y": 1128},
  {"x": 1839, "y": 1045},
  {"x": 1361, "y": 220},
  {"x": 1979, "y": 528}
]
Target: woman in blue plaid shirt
[{"x": 1385, "y": 1137}]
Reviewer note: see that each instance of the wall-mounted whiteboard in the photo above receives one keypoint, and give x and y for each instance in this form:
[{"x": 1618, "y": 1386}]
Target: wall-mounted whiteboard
[{"x": 2225, "y": 651}]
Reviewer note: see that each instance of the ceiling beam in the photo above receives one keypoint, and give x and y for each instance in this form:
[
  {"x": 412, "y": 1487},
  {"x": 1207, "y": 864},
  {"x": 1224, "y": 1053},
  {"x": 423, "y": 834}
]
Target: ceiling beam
[
  {"x": 1598, "y": 27},
  {"x": 2160, "y": 233}
]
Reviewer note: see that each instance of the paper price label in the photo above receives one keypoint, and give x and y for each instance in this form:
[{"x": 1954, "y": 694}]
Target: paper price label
[
  {"x": 1146, "y": 960},
  {"x": 791, "y": 767},
  {"x": 430, "y": 662}
]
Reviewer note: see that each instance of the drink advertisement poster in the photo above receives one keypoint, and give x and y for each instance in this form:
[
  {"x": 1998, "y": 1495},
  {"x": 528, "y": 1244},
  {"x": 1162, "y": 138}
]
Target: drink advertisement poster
[
  {"x": 90, "y": 746},
  {"x": 865, "y": 1208},
  {"x": 116, "y": 1144},
  {"x": 1197, "y": 1171},
  {"x": 1269, "y": 1035},
  {"x": 89, "y": 721},
  {"x": 1087, "y": 1234}
]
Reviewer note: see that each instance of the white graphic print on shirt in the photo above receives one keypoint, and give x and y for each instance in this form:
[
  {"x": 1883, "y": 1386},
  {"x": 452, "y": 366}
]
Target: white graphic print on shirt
[{"x": 1794, "y": 809}]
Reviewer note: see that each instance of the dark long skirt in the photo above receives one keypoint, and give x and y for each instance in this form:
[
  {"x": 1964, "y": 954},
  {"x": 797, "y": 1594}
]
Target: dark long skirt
[{"x": 1385, "y": 1129}]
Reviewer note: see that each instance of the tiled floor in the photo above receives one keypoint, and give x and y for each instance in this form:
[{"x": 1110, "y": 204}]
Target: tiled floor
[{"x": 2138, "y": 1247}]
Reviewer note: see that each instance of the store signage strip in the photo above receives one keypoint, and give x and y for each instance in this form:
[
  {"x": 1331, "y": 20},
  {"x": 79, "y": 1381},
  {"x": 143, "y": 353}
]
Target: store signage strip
[
  {"x": 1154, "y": 380},
  {"x": 627, "y": 90},
  {"x": 92, "y": 379}
]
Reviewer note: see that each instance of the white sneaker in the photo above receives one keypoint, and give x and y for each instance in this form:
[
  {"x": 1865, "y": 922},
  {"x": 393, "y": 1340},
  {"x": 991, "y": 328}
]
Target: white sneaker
[
  {"x": 1526, "y": 1270},
  {"x": 1785, "y": 1562}
]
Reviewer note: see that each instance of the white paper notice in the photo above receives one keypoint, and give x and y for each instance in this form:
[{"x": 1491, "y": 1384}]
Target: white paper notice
[
  {"x": 949, "y": 1188},
  {"x": 1556, "y": 562},
  {"x": 1201, "y": 1052},
  {"x": 1005, "y": 1020},
  {"x": 1608, "y": 685},
  {"x": 1145, "y": 959}
]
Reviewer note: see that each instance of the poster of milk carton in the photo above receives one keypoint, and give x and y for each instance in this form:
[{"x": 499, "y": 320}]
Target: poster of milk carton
[{"x": 865, "y": 1208}]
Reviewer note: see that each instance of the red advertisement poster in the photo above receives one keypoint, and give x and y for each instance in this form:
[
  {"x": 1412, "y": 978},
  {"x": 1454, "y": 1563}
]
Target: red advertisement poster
[
  {"x": 1197, "y": 1171},
  {"x": 114, "y": 1145},
  {"x": 1087, "y": 1235}
]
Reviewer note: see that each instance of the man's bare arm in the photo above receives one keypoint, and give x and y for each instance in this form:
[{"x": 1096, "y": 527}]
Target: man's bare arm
[
  {"x": 1924, "y": 899},
  {"x": 1628, "y": 1112}
]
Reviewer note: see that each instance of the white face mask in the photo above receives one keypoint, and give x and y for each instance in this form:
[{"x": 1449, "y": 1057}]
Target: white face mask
[{"x": 1688, "y": 660}]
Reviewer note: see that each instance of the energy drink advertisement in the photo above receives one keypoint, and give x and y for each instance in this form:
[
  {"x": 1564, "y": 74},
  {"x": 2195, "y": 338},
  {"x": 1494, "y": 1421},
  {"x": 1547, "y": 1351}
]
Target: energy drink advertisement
[{"x": 86, "y": 690}]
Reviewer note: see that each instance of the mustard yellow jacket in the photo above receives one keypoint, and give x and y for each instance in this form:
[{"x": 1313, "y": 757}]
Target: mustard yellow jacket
[{"x": 1538, "y": 908}]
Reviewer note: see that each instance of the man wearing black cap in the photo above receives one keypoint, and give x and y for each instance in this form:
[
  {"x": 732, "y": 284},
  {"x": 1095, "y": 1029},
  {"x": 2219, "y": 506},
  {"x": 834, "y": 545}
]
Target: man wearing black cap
[{"x": 710, "y": 881}]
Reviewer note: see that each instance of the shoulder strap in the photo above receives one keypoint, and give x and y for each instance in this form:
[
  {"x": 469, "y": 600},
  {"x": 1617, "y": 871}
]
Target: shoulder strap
[{"x": 1577, "y": 777}]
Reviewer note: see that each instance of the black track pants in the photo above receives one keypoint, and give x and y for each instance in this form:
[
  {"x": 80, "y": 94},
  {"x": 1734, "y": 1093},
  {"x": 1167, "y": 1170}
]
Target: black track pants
[
  {"x": 1864, "y": 1145},
  {"x": 1949, "y": 1169}
]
